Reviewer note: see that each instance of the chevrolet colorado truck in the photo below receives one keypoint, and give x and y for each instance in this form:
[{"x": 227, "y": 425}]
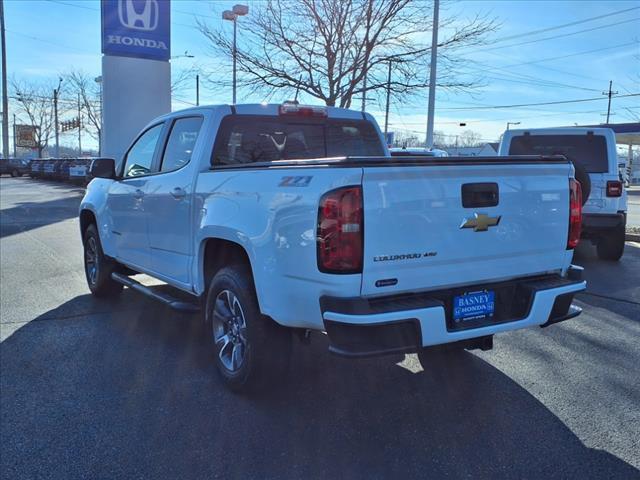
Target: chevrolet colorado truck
[
  {"x": 286, "y": 219},
  {"x": 593, "y": 153}
]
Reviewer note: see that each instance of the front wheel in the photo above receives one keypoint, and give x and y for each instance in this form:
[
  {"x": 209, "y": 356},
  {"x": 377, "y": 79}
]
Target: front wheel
[
  {"x": 611, "y": 245},
  {"x": 15, "y": 173},
  {"x": 98, "y": 267},
  {"x": 251, "y": 351}
]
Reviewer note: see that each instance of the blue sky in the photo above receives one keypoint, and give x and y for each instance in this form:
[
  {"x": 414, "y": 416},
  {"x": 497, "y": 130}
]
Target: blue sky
[{"x": 46, "y": 37}]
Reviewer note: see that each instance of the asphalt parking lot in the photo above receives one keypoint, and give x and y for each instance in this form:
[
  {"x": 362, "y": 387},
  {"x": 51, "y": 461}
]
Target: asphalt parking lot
[{"x": 126, "y": 389}]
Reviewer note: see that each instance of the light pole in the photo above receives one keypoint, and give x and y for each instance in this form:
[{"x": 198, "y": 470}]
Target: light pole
[
  {"x": 98, "y": 80},
  {"x": 386, "y": 110},
  {"x": 5, "y": 101},
  {"x": 56, "y": 92},
  {"x": 512, "y": 123},
  {"x": 232, "y": 15},
  {"x": 432, "y": 75}
]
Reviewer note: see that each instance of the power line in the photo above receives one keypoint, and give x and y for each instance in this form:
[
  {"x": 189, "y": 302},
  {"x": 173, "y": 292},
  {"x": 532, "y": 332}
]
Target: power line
[
  {"x": 85, "y": 7},
  {"x": 562, "y": 35},
  {"x": 49, "y": 42},
  {"x": 561, "y": 102},
  {"x": 549, "y": 59},
  {"x": 570, "y": 24},
  {"x": 556, "y": 36}
]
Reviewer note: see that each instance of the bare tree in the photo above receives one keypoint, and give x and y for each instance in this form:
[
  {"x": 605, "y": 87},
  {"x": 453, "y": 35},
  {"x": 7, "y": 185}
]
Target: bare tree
[
  {"x": 326, "y": 48},
  {"x": 469, "y": 138},
  {"x": 35, "y": 102},
  {"x": 79, "y": 83}
]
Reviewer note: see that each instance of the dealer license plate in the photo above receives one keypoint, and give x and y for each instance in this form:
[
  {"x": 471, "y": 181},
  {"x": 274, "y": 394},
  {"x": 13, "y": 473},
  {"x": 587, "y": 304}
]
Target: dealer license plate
[{"x": 473, "y": 305}]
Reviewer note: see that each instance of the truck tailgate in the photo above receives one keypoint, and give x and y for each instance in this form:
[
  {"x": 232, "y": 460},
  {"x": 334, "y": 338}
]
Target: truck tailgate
[{"x": 419, "y": 236}]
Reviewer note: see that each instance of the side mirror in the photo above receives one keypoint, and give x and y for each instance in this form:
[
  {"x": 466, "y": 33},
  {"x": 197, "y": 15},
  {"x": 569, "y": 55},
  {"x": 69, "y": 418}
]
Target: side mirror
[{"x": 103, "y": 168}]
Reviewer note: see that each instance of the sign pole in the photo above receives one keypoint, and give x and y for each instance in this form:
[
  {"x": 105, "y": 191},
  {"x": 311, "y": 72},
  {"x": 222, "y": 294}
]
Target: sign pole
[{"x": 15, "y": 155}]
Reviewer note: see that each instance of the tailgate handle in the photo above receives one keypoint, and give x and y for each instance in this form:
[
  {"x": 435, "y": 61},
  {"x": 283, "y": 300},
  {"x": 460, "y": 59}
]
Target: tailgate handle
[{"x": 480, "y": 195}]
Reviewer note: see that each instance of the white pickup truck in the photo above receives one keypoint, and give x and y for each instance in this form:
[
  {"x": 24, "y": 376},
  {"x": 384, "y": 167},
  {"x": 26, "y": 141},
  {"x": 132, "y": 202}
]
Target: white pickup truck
[{"x": 277, "y": 219}]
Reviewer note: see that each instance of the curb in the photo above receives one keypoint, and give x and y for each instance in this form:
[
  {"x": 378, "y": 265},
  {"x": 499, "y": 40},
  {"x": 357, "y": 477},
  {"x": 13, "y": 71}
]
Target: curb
[{"x": 632, "y": 237}]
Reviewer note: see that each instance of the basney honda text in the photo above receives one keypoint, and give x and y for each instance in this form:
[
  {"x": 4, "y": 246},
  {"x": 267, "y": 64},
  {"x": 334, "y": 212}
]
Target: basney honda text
[{"x": 281, "y": 219}]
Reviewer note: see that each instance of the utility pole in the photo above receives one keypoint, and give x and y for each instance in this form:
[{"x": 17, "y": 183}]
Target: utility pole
[
  {"x": 55, "y": 119},
  {"x": 15, "y": 150},
  {"x": 386, "y": 112},
  {"x": 79, "y": 127},
  {"x": 609, "y": 94},
  {"x": 5, "y": 101},
  {"x": 197, "y": 90},
  {"x": 364, "y": 89},
  {"x": 432, "y": 75}
]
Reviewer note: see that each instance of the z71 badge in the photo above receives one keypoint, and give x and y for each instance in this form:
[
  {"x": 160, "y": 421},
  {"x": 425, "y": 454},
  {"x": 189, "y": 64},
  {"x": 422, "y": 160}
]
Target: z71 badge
[{"x": 295, "y": 181}]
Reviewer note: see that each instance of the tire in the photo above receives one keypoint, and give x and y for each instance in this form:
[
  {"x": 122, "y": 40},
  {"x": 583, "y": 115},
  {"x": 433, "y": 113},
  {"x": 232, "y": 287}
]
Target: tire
[
  {"x": 611, "y": 246},
  {"x": 98, "y": 267},
  {"x": 251, "y": 351},
  {"x": 15, "y": 173},
  {"x": 585, "y": 181}
]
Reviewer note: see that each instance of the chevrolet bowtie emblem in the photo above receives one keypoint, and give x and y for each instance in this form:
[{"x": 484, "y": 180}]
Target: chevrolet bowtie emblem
[{"x": 480, "y": 222}]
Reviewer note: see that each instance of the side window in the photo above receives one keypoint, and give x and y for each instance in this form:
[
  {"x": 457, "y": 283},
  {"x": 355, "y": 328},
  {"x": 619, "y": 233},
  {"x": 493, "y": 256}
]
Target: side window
[
  {"x": 140, "y": 156},
  {"x": 182, "y": 139}
]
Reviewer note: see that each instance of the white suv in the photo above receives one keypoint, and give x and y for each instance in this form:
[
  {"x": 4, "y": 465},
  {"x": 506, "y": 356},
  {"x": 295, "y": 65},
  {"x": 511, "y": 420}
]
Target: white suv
[{"x": 593, "y": 154}]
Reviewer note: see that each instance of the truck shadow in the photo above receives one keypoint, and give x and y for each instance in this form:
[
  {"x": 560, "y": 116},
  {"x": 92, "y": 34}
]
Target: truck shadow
[
  {"x": 25, "y": 216},
  {"x": 127, "y": 388}
]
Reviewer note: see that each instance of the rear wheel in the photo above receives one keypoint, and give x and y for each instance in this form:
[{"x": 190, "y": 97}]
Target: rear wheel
[
  {"x": 15, "y": 173},
  {"x": 611, "y": 245},
  {"x": 98, "y": 267},
  {"x": 251, "y": 351}
]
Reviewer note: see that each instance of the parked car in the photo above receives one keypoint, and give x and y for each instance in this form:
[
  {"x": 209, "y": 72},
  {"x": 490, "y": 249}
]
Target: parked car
[
  {"x": 78, "y": 170},
  {"x": 15, "y": 167},
  {"x": 417, "y": 152},
  {"x": 593, "y": 154},
  {"x": 282, "y": 219}
]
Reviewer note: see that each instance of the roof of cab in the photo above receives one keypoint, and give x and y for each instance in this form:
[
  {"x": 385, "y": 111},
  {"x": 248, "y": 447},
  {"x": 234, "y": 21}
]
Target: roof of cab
[
  {"x": 271, "y": 109},
  {"x": 559, "y": 131}
]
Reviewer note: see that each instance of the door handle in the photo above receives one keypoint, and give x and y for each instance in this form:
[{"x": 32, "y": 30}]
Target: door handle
[
  {"x": 178, "y": 193},
  {"x": 138, "y": 193}
]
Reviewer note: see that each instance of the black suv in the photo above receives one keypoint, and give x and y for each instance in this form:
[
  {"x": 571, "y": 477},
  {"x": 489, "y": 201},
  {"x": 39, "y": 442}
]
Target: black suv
[{"x": 14, "y": 167}]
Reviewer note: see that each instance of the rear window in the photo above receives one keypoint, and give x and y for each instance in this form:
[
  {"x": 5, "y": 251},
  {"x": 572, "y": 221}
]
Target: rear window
[
  {"x": 249, "y": 139},
  {"x": 590, "y": 151}
]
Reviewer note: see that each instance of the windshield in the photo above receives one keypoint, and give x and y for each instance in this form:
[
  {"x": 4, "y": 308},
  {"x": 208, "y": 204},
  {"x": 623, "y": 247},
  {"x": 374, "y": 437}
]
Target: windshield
[
  {"x": 250, "y": 139},
  {"x": 590, "y": 151}
]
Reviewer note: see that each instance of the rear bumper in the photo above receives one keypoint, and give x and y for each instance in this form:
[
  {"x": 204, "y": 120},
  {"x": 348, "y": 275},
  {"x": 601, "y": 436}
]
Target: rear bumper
[
  {"x": 594, "y": 223},
  {"x": 359, "y": 327}
]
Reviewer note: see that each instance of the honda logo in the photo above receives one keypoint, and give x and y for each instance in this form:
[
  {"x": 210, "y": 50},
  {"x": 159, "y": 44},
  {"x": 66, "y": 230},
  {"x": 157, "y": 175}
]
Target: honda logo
[{"x": 138, "y": 14}]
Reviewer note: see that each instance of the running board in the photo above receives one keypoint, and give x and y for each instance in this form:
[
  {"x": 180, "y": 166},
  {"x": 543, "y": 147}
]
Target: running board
[{"x": 162, "y": 297}]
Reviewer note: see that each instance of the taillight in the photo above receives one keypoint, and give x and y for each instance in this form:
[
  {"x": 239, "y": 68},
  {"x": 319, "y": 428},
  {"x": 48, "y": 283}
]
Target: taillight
[
  {"x": 575, "y": 213},
  {"x": 614, "y": 188},
  {"x": 340, "y": 231}
]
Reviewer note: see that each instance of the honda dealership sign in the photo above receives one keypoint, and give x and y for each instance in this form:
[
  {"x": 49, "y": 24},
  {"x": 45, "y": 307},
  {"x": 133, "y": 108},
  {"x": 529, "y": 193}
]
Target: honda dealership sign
[
  {"x": 136, "y": 71},
  {"x": 136, "y": 28}
]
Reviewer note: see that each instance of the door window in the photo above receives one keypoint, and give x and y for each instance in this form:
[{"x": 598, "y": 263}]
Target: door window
[
  {"x": 140, "y": 156},
  {"x": 182, "y": 139}
]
